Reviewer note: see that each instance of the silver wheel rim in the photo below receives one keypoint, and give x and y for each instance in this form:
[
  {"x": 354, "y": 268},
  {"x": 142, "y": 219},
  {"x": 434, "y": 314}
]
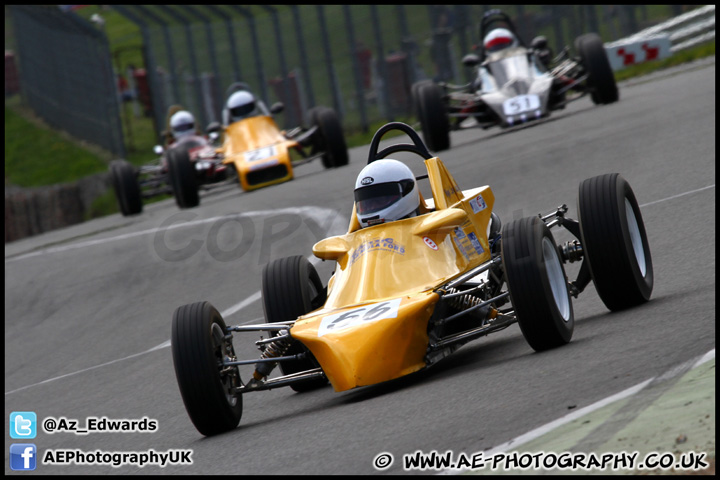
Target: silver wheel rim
[
  {"x": 555, "y": 275},
  {"x": 635, "y": 238},
  {"x": 219, "y": 347}
]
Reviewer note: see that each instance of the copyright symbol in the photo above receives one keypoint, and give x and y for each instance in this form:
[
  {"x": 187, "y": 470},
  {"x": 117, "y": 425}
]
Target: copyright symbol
[
  {"x": 383, "y": 461},
  {"x": 49, "y": 425}
]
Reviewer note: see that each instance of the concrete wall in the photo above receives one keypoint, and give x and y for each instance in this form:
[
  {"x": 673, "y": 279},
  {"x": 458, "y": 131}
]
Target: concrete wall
[{"x": 31, "y": 211}]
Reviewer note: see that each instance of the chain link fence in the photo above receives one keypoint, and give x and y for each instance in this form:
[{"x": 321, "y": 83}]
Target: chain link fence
[
  {"x": 66, "y": 75},
  {"x": 358, "y": 59}
]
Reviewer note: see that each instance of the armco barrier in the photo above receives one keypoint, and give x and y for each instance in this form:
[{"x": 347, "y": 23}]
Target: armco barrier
[
  {"x": 633, "y": 53},
  {"x": 662, "y": 40}
]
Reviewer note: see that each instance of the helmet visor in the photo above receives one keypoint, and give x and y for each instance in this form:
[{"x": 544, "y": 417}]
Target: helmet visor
[
  {"x": 242, "y": 110},
  {"x": 374, "y": 198},
  {"x": 183, "y": 127}
]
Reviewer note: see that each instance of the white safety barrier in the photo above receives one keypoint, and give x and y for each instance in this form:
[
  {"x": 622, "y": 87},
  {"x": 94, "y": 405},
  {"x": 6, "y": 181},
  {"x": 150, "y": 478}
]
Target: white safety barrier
[{"x": 662, "y": 40}]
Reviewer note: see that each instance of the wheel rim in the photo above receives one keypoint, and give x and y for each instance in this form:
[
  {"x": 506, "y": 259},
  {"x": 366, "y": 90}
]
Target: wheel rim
[
  {"x": 227, "y": 379},
  {"x": 635, "y": 237},
  {"x": 556, "y": 277}
]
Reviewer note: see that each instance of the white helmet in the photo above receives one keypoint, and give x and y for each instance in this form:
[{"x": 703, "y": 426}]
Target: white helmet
[
  {"x": 499, "y": 39},
  {"x": 182, "y": 123},
  {"x": 240, "y": 105},
  {"x": 385, "y": 191}
]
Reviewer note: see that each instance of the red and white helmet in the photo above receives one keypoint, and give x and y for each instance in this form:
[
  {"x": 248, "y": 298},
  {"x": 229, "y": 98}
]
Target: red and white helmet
[
  {"x": 385, "y": 191},
  {"x": 499, "y": 39}
]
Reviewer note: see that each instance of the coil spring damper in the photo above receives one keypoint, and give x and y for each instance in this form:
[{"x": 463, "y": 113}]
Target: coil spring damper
[
  {"x": 464, "y": 302},
  {"x": 278, "y": 348}
]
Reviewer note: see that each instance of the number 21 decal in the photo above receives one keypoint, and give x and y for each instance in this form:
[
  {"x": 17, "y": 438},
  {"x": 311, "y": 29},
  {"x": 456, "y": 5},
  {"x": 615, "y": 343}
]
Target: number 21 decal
[{"x": 358, "y": 316}]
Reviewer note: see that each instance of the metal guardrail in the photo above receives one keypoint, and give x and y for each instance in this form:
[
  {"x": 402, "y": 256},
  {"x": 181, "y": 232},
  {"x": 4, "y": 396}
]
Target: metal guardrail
[{"x": 684, "y": 31}]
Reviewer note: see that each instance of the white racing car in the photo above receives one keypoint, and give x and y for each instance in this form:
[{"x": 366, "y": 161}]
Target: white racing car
[{"x": 514, "y": 84}]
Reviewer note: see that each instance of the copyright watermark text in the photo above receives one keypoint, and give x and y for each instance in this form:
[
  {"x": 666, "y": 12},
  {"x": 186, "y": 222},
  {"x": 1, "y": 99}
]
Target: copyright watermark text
[{"x": 573, "y": 461}]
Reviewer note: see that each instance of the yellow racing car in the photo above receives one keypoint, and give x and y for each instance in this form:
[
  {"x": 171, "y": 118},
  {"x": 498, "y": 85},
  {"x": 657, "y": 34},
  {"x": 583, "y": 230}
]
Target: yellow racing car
[
  {"x": 255, "y": 151},
  {"x": 407, "y": 293}
]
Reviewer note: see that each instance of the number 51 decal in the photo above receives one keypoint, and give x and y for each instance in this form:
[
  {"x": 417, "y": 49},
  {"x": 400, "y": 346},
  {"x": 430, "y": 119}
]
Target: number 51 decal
[{"x": 358, "y": 316}]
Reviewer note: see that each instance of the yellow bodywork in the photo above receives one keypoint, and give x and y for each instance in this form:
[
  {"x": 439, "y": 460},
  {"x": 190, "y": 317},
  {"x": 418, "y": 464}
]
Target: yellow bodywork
[
  {"x": 373, "y": 326},
  {"x": 255, "y": 144}
]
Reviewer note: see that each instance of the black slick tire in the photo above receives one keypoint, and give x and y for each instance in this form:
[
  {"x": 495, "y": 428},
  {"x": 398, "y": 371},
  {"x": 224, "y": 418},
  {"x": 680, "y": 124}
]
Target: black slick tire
[
  {"x": 127, "y": 189},
  {"x": 615, "y": 242},
  {"x": 198, "y": 347},
  {"x": 291, "y": 287},
  {"x": 433, "y": 116},
  {"x": 183, "y": 178},
  {"x": 329, "y": 137},
  {"x": 601, "y": 79},
  {"x": 537, "y": 283}
]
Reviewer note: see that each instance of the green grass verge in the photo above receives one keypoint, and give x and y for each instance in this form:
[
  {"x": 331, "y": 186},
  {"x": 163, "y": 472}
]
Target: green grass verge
[
  {"x": 36, "y": 155},
  {"x": 106, "y": 204},
  {"x": 685, "y": 56}
]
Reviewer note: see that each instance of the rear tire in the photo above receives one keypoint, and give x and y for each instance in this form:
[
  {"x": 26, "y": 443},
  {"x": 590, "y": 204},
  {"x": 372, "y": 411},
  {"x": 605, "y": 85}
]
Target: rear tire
[
  {"x": 433, "y": 116},
  {"x": 615, "y": 242},
  {"x": 537, "y": 283},
  {"x": 183, "y": 178},
  {"x": 329, "y": 138},
  {"x": 600, "y": 75},
  {"x": 198, "y": 347},
  {"x": 127, "y": 189},
  {"x": 291, "y": 287}
]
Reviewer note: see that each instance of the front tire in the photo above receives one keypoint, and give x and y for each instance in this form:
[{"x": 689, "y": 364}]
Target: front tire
[
  {"x": 615, "y": 242},
  {"x": 601, "y": 79},
  {"x": 291, "y": 287},
  {"x": 183, "y": 178},
  {"x": 199, "y": 344},
  {"x": 537, "y": 283},
  {"x": 433, "y": 116},
  {"x": 127, "y": 189}
]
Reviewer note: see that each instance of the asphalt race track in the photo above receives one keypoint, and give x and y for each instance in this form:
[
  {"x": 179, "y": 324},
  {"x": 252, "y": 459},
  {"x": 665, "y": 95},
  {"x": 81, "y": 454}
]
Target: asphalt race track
[{"x": 88, "y": 309}]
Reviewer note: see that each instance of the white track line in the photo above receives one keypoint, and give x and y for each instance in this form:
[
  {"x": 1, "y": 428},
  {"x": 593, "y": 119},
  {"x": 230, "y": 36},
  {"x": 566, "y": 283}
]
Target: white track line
[
  {"x": 335, "y": 227},
  {"x": 548, "y": 427},
  {"x": 256, "y": 296},
  {"x": 677, "y": 196},
  {"x": 316, "y": 213},
  {"x": 225, "y": 314}
]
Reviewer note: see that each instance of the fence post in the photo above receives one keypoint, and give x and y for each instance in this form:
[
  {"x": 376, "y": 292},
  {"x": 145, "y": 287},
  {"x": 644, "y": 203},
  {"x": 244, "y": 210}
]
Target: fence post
[
  {"x": 359, "y": 91},
  {"x": 231, "y": 40},
  {"x": 556, "y": 15},
  {"x": 592, "y": 19},
  {"x": 380, "y": 63},
  {"x": 303, "y": 55},
  {"x": 408, "y": 45},
  {"x": 292, "y": 117},
  {"x": 256, "y": 50},
  {"x": 170, "y": 52},
  {"x": 328, "y": 60},
  {"x": 217, "y": 98},
  {"x": 158, "y": 103},
  {"x": 462, "y": 18},
  {"x": 193, "y": 62}
]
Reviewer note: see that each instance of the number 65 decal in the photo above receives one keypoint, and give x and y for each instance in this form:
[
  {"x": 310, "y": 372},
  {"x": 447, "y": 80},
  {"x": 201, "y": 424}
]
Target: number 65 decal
[{"x": 358, "y": 316}]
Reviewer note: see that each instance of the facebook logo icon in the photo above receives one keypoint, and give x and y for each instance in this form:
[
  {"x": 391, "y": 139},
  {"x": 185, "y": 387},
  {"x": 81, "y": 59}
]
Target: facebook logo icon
[
  {"x": 23, "y": 425},
  {"x": 23, "y": 456}
]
